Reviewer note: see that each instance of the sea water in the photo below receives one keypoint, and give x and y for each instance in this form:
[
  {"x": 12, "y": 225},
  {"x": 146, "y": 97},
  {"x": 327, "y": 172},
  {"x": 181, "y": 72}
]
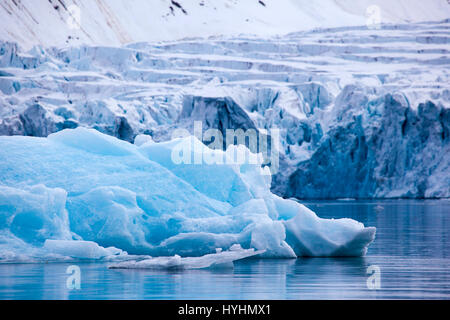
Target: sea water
[{"x": 409, "y": 259}]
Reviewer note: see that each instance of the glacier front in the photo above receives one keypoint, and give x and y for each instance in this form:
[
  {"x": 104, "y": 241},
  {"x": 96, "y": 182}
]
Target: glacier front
[
  {"x": 362, "y": 112},
  {"x": 107, "y": 197}
]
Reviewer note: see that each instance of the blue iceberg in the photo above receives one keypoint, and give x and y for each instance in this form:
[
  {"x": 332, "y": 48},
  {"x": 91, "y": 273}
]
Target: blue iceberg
[{"x": 82, "y": 194}]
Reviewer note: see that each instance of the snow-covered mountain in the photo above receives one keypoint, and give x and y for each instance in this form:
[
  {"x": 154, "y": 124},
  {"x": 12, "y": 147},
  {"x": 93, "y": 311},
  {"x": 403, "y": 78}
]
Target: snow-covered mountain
[
  {"x": 363, "y": 111},
  {"x": 119, "y": 22}
]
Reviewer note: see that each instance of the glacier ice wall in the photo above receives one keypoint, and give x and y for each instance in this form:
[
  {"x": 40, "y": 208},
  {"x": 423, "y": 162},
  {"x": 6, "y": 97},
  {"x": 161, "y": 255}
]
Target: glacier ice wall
[
  {"x": 385, "y": 150},
  {"x": 80, "y": 184},
  {"x": 363, "y": 106}
]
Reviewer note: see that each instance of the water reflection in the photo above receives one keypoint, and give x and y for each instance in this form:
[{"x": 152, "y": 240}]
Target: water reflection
[
  {"x": 411, "y": 249},
  {"x": 404, "y": 227}
]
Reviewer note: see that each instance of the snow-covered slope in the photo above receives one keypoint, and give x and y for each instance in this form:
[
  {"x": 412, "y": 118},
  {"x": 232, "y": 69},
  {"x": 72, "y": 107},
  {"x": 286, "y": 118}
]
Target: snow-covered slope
[{"x": 118, "y": 22}]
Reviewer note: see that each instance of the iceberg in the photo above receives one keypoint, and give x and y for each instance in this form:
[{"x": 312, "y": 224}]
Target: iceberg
[
  {"x": 218, "y": 260},
  {"x": 83, "y": 194}
]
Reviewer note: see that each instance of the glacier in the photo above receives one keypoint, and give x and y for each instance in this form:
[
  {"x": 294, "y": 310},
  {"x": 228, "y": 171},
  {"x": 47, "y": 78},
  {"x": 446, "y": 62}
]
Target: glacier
[
  {"x": 79, "y": 193},
  {"x": 56, "y": 23},
  {"x": 369, "y": 106}
]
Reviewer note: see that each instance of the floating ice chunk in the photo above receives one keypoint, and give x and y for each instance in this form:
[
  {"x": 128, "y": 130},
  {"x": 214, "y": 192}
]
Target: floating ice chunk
[
  {"x": 309, "y": 235},
  {"x": 220, "y": 259},
  {"x": 80, "y": 249},
  {"x": 110, "y": 193}
]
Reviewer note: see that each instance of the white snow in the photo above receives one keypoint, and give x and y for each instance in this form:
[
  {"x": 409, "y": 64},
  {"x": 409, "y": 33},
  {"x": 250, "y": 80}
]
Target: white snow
[{"x": 118, "y": 22}]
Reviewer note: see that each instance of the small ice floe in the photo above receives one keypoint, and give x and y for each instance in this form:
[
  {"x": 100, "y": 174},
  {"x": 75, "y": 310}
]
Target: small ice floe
[
  {"x": 85, "y": 185},
  {"x": 220, "y": 259},
  {"x": 86, "y": 250}
]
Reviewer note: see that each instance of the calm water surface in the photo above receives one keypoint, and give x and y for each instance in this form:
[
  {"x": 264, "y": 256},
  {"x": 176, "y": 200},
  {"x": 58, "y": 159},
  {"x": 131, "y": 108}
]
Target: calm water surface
[{"x": 412, "y": 250}]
